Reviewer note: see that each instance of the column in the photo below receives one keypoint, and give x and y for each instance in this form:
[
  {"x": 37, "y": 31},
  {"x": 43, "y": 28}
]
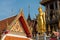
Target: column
[
  {"x": 58, "y": 5},
  {"x": 48, "y": 10},
  {"x": 48, "y": 6},
  {"x": 54, "y": 5},
  {"x": 54, "y": 8},
  {"x": 58, "y": 9}
]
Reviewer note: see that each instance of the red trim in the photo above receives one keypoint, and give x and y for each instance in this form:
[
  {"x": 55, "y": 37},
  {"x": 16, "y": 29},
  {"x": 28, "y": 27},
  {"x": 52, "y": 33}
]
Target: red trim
[{"x": 24, "y": 25}]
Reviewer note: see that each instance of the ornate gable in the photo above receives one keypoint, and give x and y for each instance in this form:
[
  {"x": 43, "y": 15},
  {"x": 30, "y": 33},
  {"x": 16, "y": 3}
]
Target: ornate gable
[
  {"x": 17, "y": 27},
  {"x": 20, "y": 24}
]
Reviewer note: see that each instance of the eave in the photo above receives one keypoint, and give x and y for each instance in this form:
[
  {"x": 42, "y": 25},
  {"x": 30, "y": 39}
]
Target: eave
[{"x": 46, "y": 2}]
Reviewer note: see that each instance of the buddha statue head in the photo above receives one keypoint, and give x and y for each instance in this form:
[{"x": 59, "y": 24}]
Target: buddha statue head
[{"x": 40, "y": 9}]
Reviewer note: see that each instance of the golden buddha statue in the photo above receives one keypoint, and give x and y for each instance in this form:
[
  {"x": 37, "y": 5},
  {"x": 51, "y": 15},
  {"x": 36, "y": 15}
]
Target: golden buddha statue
[{"x": 41, "y": 21}]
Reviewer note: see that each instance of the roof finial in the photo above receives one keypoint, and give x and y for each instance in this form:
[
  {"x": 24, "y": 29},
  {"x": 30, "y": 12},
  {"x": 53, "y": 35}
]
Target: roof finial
[
  {"x": 29, "y": 9},
  {"x": 29, "y": 18},
  {"x": 21, "y": 9}
]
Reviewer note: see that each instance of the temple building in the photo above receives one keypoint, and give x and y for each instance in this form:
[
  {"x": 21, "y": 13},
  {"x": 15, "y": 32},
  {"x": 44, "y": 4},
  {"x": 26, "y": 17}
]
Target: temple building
[
  {"x": 15, "y": 25},
  {"x": 52, "y": 14}
]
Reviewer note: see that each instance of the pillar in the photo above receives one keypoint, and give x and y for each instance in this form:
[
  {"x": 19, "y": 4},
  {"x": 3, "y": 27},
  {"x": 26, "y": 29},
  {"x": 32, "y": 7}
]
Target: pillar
[
  {"x": 54, "y": 5},
  {"x": 48, "y": 10},
  {"x": 58, "y": 5}
]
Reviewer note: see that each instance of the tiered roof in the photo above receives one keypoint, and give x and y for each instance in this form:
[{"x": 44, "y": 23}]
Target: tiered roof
[{"x": 3, "y": 23}]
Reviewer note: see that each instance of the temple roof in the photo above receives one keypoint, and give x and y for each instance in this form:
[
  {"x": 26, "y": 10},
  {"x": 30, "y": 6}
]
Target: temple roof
[
  {"x": 43, "y": 2},
  {"x": 9, "y": 22},
  {"x": 3, "y": 23}
]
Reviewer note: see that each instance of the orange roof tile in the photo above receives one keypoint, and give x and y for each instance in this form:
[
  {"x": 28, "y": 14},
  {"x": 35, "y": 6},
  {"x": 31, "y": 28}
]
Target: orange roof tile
[{"x": 3, "y": 23}]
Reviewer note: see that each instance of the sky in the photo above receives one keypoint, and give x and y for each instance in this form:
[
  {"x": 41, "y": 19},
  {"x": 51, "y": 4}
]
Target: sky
[{"x": 9, "y": 8}]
